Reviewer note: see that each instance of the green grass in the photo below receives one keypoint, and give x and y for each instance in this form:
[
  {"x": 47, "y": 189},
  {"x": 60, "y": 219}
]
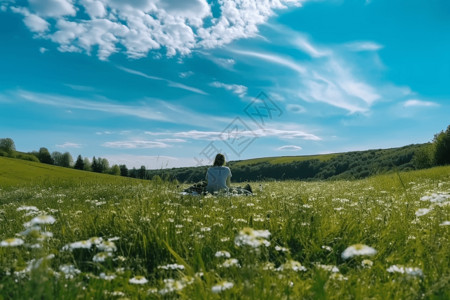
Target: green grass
[
  {"x": 285, "y": 159},
  {"x": 155, "y": 228},
  {"x": 15, "y": 172}
]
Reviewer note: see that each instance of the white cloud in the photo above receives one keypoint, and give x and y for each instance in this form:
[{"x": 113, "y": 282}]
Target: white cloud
[
  {"x": 135, "y": 144},
  {"x": 52, "y": 8},
  {"x": 43, "y": 50},
  {"x": 150, "y": 162},
  {"x": 295, "y": 108},
  {"x": 140, "y": 26},
  {"x": 286, "y": 62},
  {"x": 36, "y": 23},
  {"x": 289, "y": 148},
  {"x": 169, "y": 82},
  {"x": 363, "y": 46},
  {"x": 419, "y": 103},
  {"x": 69, "y": 145},
  {"x": 219, "y": 135},
  {"x": 237, "y": 89}
]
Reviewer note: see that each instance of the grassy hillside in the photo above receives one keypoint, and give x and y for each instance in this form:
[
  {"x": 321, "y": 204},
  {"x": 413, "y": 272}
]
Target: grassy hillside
[
  {"x": 291, "y": 240},
  {"x": 284, "y": 159},
  {"x": 21, "y": 172},
  {"x": 348, "y": 165}
]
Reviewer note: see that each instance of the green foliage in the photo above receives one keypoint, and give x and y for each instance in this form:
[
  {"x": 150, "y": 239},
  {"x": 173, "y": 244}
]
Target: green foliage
[
  {"x": 349, "y": 165},
  {"x": 7, "y": 145},
  {"x": 442, "y": 147},
  {"x": 154, "y": 227},
  {"x": 79, "y": 164},
  {"x": 424, "y": 157},
  {"x": 44, "y": 156}
]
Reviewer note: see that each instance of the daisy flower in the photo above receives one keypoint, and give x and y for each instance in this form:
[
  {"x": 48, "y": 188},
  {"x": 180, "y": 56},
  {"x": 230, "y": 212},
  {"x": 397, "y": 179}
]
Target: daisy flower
[
  {"x": 222, "y": 286},
  {"x": 357, "y": 250},
  {"x": 12, "y": 242},
  {"x": 138, "y": 280}
]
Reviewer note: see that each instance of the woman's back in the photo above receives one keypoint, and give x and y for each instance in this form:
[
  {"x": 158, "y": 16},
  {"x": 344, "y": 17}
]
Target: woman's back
[{"x": 217, "y": 178}]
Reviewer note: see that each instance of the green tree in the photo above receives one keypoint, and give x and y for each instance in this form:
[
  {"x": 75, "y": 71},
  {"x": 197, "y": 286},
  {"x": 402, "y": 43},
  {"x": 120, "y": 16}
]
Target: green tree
[
  {"x": 57, "y": 158},
  {"x": 442, "y": 147},
  {"x": 96, "y": 167},
  {"x": 66, "y": 160},
  {"x": 424, "y": 157},
  {"x": 123, "y": 170},
  {"x": 142, "y": 172},
  {"x": 7, "y": 145},
  {"x": 115, "y": 170},
  {"x": 87, "y": 164},
  {"x": 44, "y": 156},
  {"x": 79, "y": 164}
]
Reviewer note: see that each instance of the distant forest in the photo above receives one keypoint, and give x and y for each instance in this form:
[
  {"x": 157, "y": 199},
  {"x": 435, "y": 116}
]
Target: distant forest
[{"x": 348, "y": 165}]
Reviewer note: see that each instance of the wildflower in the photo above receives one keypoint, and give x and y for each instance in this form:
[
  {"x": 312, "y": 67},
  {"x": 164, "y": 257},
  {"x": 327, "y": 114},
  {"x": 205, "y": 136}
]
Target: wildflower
[
  {"x": 69, "y": 270},
  {"x": 445, "y": 223},
  {"x": 107, "y": 246},
  {"x": 113, "y": 239},
  {"x": 291, "y": 265},
  {"x": 28, "y": 208},
  {"x": 171, "y": 285},
  {"x": 281, "y": 249},
  {"x": 96, "y": 240},
  {"x": 329, "y": 268},
  {"x": 78, "y": 245},
  {"x": 367, "y": 263},
  {"x": 338, "y": 276},
  {"x": 101, "y": 256},
  {"x": 12, "y": 242},
  {"x": 328, "y": 248},
  {"x": 269, "y": 266},
  {"x": 225, "y": 239},
  {"x": 405, "y": 270},
  {"x": 138, "y": 280},
  {"x": 422, "y": 211},
  {"x": 358, "y": 249},
  {"x": 252, "y": 238},
  {"x": 44, "y": 219},
  {"x": 108, "y": 277},
  {"x": 223, "y": 254},
  {"x": 222, "y": 286},
  {"x": 231, "y": 262},
  {"x": 205, "y": 229},
  {"x": 171, "y": 267}
]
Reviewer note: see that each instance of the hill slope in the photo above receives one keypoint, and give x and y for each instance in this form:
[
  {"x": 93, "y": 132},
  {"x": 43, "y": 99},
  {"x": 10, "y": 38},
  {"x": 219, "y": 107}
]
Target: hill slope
[
  {"x": 21, "y": 172},
  {"x": 348, "y": 165}
]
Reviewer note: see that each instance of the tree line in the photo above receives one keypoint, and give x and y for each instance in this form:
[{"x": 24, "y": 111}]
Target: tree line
[
  {"x": 349, "y": 165},
  {"x": 56, "y": 158}
]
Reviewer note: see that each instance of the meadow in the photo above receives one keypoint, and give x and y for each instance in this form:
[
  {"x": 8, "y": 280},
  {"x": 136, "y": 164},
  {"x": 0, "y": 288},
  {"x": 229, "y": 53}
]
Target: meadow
[{"x": 89, "y": 236}]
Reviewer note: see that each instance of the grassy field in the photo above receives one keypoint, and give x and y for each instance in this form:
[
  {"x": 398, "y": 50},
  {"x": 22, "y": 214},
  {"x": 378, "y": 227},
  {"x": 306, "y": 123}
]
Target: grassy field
[
  {"x": 284, "y": 159},
  {"x": 69, "y": 235}
]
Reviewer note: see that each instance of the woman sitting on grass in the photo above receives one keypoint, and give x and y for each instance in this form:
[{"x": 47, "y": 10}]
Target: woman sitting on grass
[
  {"x": 218, "y": 176},
  {"x": 218, "y": 181}
]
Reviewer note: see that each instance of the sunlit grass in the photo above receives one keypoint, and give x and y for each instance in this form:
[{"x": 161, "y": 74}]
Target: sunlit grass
[{"x": 115, "y": 239}]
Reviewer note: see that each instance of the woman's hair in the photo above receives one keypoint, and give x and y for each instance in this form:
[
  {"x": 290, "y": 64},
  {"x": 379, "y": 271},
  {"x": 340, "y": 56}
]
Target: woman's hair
[{"x": 219, "y": 160}]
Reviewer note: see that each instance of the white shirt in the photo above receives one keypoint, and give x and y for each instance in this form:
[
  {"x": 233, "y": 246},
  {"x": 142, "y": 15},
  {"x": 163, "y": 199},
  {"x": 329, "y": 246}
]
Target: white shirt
[{"x": 217, "y": 178}]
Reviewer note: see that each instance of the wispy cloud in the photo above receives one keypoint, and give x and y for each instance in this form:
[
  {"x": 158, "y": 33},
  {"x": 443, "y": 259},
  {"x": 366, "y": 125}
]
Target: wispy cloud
[
  {"x": 274, "y": 58},
  {"x": 289, "y": 148},
  {"x": 237, "y": 89},
  {"x": 169, "y": 82},
  {"x": 135, "y": 144},
  {"x": 144, "y": 112},
  {"x": 419, "y": 103},
  {"x": 150, "y": 161},
  {"x": 220, "y": 135},
  {"x": 157, "y": 110},
  {"x": 69, "y": 145},
  {"x": 363, "y": 46}
]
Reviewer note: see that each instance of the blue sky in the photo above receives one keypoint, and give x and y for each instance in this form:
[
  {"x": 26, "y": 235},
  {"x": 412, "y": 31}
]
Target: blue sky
[{"x": 169, "y": 83}]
